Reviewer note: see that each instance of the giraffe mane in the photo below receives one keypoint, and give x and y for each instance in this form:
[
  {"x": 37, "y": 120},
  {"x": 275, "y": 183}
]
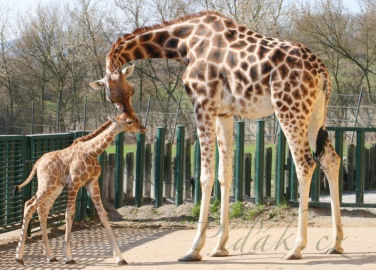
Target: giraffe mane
[
  {"x": 93, "y": 134},
  {"x": 142, "y": 30}
]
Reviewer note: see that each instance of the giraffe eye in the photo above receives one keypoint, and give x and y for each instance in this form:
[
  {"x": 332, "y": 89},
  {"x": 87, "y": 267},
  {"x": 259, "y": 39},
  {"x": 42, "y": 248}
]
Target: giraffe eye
[{"x": 129, "y": 122}]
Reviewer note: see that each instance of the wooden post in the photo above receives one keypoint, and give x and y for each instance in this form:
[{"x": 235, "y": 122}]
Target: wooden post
[
  {"x": 268, "y": 171},
  {"x": 188, "y": 174},
  {"x": 167, "y": 187},
  {"x": 147, "y": 170},
  {"x": 129, "y": 176},
  {"x": 247, "y": 174}
]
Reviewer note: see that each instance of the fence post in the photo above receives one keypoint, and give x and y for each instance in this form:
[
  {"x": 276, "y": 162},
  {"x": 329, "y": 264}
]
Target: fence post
[
  {"x": 247, "y": 173},
  {"x": 197, "y": 165},
  {"x": 140, "y": 160},
  {"x": 359, "y": 172},
  {"x": 268, "y": 171},
  {"x": 239, "y": 161},
  {"x": 315, "y": 184},
  {"x": 167, "y": 170},
  {"x": 147, "y": 170},
  {"x": 179, "y": 171},
  {"x": 259, "y": 163},
  {"x": 280, "y": 167},
  {"x": 158, "y": 166},
  {"x": 350, "y": 167},
  {"x": 372, "y": 165},
  {"x": 339, "y": 150},
  {"x": 119, "y": 141},
  {"x": 293, "y": 182},
  {"x": 7, "y": 121},
  {"x": 187, "y": 170},
  {"x": 129, "y": 177},
  {"x": 217, "y": 186},
  {"x": 58, "y": 116}
]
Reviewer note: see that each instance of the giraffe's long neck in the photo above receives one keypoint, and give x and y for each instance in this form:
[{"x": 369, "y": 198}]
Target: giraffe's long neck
[
  {"x": 98, "y": 144},
  {"x": 165, "y": 42}
]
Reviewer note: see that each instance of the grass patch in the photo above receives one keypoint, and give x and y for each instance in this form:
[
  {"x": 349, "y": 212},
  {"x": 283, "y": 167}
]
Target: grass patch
[
  {"x": 237, "y": 210},
  {"x": 196, "y": 210},
  {"x": 255, "y": 212},
  {"x": 215, "y": 208}
]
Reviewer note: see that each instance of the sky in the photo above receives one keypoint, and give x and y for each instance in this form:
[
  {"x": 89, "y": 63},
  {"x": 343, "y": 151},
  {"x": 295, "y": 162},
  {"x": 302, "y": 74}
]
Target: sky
[{"x": 26, "y": 5}]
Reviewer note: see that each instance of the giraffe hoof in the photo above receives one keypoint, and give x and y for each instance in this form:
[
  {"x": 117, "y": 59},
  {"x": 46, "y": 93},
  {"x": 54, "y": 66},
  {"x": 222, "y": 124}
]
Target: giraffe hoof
[
  {"x": 52, "y": 260},
  {"x": 334, "y": 251},
  {"x": 292, "y": 256},
  {"x": 70, "y": 262},
  {"x": 20, "y": 261},
  {"x": 191, "y": 257},
  {"x": 219, "y": 253},
  {"x": 122, "y": 262}
]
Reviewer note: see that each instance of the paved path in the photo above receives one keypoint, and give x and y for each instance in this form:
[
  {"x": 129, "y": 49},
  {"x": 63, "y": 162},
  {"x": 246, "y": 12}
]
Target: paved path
[{"x": 250, "y": 248}]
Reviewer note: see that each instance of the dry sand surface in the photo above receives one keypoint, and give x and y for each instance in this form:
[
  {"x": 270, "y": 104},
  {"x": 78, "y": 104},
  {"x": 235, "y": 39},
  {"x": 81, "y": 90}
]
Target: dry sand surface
[{"x": 253, "y": 244}]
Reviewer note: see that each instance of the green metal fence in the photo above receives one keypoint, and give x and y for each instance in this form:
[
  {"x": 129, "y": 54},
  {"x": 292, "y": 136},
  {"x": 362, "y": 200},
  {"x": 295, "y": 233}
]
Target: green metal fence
[{"x": 17, "y": 155}]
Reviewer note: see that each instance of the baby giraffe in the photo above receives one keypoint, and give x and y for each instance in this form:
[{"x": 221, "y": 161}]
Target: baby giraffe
[{"x": 75, "y": 166}]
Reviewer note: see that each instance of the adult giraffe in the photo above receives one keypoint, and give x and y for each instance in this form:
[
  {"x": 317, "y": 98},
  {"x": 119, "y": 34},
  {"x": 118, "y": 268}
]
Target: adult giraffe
[{"x": 231, "y": 70}]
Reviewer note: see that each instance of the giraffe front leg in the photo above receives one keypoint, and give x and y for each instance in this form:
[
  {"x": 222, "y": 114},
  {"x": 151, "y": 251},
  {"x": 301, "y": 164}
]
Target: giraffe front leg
[
  {"x": 224, "y": 140},
  {"x": 69, "y": 215},
  {"x": 43, "y": 215},
  {"x": 93, "y": 189},
  {"x": 206, "y": 133}
]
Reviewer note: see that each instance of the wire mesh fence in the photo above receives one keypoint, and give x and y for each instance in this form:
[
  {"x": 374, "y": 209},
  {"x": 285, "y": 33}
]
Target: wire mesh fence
[{"x": 345, "y": 110}]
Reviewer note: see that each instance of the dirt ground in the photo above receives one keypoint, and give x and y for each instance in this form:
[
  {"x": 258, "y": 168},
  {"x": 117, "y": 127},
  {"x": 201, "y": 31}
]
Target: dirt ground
[{"x": 155, "y": 238}]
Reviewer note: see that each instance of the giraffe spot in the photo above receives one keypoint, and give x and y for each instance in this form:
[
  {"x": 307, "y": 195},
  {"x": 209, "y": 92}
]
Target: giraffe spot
[
  {"x": 218, "y": 41},
  {"x": 213, "y": 88},
  {"x": 266, "y": 67},
  {"x": 241, "y": 77},
  {"x": 258, "y": 36},
  {"x": 295, "y": 52},
  {"x": 284, "y": 108},
  {"x": 231, "y": 59},
  {"x": 308, "y": 79},
  {"x": 304, "y": 90},
  {"x": 258, "y": 88},
  {"x": 242, "y": 29},
  {"x": 244, "y": 65},
  {"x": 152, "y": 50},
  {"x": 265, "y": 43},
  {"x": 294, "y": 74},
  {"x": 250, "y": 33},
  {"x": 193, "y": 41},
  {"x": 294, "y": 62},
  {"x": 201, "y": 91},
  {"x": 84, "y": 176},
  {"x": 243, "y": 54},
  {"x": 249, "y": 91},
  {"x": 312, "y": 58},
  {"x": 296, "y": 94},
  {"x": 218, "y": 26},
  {"x": 238, "y": 88},
  {"x": 251, "y": 58},
  {"x": 265, "y": 80},
  {"x": 212, "y": 71},
  {"x": 279, "y": 104},
  {"x": 199, "y": 117},
  {"x": 172, "y": 43},
  {"x": 309, "y": 101},
  {"x": 283, "y": 71},
  {"x": 183, "y": 31},
  {"x": 254, "y": 72},
  {"x": 145, "y": 37},
  {"x": 287, "y": 99},
  {"x": 307, "y": 65},
  {"x": 202, "y": 30},
  {"x": 137, "y": 54},
  {"x": 126, "y": 57},
  {"x": 161, "y": 37},
  {"x": 171, "y": 54},
  {"x": 278, "y": 56},
  {"x": 238, "y": 45},
  {"x": 131, "y": 45},
  {"x": 251, "y": 48},
  {"x": 200, "y": 49},
  {"x": 230, "y": 24},
  {"x": 216, "y": 55},
  {"x": 198, "y": 71},
  {"x": 295, "y": 109},
  {"x": 262, "y": 51},
  {"x": 285, "y": 47},
  {"x": 183, "y": 50},
  {"x": 231, "y": 35},
  {"x": 251, "y": 39},
  {"x": 210, "y": 18}
]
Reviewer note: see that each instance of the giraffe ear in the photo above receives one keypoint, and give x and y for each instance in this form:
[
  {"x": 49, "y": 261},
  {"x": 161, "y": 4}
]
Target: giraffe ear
[
  {"x": 128, "y": 71},
  {"x": 98, "y": 84}
]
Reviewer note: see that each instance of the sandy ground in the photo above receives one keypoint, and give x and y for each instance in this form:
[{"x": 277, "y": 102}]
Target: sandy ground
[{"x": 153, "y": 243}]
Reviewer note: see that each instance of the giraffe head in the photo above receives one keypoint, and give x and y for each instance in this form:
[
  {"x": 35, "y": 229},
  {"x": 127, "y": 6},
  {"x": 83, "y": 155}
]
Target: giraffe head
[
  {"x": 118, "y": 90},
  {"x": 129, "y": 123}
]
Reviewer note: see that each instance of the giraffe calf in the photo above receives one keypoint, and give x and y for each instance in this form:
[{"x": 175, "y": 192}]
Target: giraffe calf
[{"x": 75, "y": 166}]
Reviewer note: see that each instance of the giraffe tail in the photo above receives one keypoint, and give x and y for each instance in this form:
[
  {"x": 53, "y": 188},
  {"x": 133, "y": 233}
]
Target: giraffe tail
[
  {"x": 322, "y": 135},
  {"x": 27, "y": 181}
]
